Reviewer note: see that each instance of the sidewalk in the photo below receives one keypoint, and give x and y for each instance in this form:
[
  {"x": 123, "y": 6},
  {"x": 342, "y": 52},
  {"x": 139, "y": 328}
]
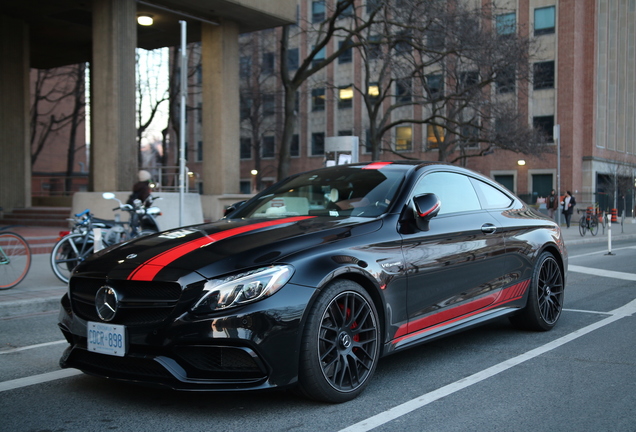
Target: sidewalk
[{"x": 41, "y": 291}]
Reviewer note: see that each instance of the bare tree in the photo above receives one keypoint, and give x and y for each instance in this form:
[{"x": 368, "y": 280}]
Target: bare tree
[
  {"x": 453, "y": 63},
  {"x": 339, "y": 21},
  {"x": 57, "y": 103},
  {"x": 152, "y": 90},
  {"x": 258, "y": 94}
]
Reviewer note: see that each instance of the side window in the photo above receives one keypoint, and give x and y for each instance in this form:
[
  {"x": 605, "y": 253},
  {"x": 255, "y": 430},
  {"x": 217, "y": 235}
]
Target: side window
[
  {"x": 491, "y": 198},
  {"x": 454, "y": 191}
]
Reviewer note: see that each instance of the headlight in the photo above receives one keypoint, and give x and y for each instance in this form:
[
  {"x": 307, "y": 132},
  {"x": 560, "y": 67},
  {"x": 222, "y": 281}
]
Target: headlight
[{"x": 243, "y": 288}]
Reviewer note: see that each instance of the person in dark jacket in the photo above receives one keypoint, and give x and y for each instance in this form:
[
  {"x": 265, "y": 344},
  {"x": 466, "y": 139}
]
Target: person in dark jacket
[
  {"x": 141, "y": 189},
  {"x": 568, "y": 207},
  {"x": 552, "y": 202}
]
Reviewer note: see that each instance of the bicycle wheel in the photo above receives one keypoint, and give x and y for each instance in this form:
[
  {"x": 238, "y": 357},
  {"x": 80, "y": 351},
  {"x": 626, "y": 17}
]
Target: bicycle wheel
[
  {"x": 15, "y": 259},
  {"x": 68, "y": 253},
  {"x": 593, "y": 226},
  {"x": 582, "y": 226}
]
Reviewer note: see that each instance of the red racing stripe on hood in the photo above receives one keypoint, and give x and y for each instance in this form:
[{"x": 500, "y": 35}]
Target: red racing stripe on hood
[{"x": 149, "y": 269}]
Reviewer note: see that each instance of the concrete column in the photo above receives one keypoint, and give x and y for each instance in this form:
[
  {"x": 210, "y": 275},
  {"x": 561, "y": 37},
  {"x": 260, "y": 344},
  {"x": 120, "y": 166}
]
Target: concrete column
[
  {"x": 15, "y": 159},
  {"x": 114, "y": 151},
  {"x": 220, "y": 63}
]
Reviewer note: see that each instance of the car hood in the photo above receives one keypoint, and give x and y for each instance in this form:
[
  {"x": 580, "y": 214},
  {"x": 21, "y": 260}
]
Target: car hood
[{"x": 221, "y": 247}]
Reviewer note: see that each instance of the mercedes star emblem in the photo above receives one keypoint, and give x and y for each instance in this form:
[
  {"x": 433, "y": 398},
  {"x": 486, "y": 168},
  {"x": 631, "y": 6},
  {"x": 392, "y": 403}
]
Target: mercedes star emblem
[{"x": 106, "y": 303}]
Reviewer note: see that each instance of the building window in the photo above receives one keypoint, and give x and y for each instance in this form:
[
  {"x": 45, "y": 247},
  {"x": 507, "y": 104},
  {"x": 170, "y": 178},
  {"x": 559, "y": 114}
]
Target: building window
[
  {"x": 294, "y": 149},
  {"x": 269, "y": 147},
  {"x": 368, "y": 147},
  {"x": 268, "y": 63},
  {"x": 403, "y": 43},
  {"x": 403, "y": 138},
  {"x": 435, "y": 37},
  {"x": 317, "y": 143},
  {"x": 269, "y": 105},
  {"x": 373, "y": 5},
  {"x": 403, "y": 91},
  {"x": 468, "y": 79},
  {"x": 544, "y": 75},
  {"x": 345, "y": 56},
  {"x": 506, "y": 24},
  {"x": 434, "y": 136},
  {"x": 246, "y": 148},
  {"x": 245, "y": 108},
  {"x": 199, "y": 151},
  {"x": 434, "y": 85},
  {"x": 320, "y": 56},
  {"x": 318, "y": 11},
  {"x": 293, "y": 59},
  {"x": 544, "y": 19},
  {"x": 545, "y": 125},
  {"x": 318, "y": 99},
  {"x": 245, "y": 66},
  {"x": 374, "y": 48},
  {"x": 348, "y": 11},
  {"x": 506, "y": 80},
  {"x": 345, "y": 97},
  {"x": 470, "y": 136},
  {"x": 374, "y": 92}
]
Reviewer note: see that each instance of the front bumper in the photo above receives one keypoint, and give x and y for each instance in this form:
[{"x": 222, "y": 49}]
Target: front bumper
[{"x": 254, "y": 347}]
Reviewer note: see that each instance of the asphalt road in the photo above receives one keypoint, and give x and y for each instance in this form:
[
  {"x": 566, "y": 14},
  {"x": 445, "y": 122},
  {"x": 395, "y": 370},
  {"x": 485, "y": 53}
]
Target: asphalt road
[{"x": 581, "y": 376}]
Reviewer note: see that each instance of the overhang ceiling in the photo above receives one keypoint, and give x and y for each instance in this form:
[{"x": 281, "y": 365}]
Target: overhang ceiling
[{"x": 60, "y": 31}]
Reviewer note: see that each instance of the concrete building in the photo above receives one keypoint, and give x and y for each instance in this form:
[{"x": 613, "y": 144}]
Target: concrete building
[
  {"x": 586, "y": 63},
  {"x": 46, "y": 34}
]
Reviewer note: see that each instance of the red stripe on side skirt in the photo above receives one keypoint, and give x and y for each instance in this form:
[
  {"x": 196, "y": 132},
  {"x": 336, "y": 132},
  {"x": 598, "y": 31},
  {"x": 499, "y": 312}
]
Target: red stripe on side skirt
[
  {"x": 376, "y": 165},
  {"x": 148, "y": 270},
  {"x": 451, "y": 315}
]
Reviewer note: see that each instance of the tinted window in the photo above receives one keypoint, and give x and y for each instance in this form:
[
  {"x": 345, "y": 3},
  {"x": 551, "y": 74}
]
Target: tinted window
[
  {"x": 338, "y": 191},
  {"x": 491, "y": 198},
  {"x": 454, "y": 191}
]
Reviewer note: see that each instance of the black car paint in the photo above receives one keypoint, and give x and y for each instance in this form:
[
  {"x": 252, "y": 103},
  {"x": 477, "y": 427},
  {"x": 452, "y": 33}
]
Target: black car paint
[{"x": 391, "y": 268}]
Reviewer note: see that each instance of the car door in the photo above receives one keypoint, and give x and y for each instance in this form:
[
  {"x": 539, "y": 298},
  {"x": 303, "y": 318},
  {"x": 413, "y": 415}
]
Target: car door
[{"x": 454, "y": 268}]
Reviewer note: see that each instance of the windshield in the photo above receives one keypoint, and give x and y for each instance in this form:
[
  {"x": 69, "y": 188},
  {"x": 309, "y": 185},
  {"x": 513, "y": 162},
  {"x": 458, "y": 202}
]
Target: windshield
[{"x": 336, "y": 191}]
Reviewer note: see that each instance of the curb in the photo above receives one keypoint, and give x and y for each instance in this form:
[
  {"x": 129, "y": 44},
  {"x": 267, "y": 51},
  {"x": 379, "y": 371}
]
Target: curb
[{"x": 26, "y": 307}]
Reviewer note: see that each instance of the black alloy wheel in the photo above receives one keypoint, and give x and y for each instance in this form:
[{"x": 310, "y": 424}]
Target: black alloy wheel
[
  {"x": 341, "y": 344},
  {"x": 545, "y": 299}
]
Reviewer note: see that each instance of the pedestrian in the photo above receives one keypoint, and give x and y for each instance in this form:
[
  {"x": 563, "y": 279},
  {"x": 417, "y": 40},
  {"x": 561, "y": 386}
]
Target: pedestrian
[
  {"x": 568, "y": 207},
  {"x": 141, "y": 189},
  {"x": 553, "y": 203}
]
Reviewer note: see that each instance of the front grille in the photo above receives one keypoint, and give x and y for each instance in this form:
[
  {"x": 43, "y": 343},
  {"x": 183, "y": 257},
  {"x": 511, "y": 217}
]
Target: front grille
[
  {"x": 117, "y": 367},
  {"x": 141, "y": 302}
]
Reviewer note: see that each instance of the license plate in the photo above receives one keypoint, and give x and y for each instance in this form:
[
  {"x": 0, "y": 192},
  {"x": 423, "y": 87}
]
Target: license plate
[{"x": 106, "y": 338}]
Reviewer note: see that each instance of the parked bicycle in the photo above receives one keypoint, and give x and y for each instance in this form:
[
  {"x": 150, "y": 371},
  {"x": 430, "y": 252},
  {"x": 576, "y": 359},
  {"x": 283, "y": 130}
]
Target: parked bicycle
[
  {"x": 77, "y": 245},
  {"x": 15, "y": 259},
  {"x": 588, "y": 222}
]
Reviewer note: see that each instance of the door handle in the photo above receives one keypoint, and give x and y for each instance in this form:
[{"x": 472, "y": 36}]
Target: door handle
[{"x": 488, "y": 228}]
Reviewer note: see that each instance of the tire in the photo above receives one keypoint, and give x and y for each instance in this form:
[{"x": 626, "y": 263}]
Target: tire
[
  {"x": 545, "y": 298},
  {"x": 15, "y": 259},
  {"x": 68, "y": 253},
  {"x": 594, "y": 226},
  {"x": 582, "y": 225},
  {"x": 341, "y": 344}
]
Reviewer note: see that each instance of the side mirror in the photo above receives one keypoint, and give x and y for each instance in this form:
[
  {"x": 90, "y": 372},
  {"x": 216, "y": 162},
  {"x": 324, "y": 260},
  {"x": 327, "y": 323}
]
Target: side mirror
[
  {"x": 427, "y": 206},
  {"x": 231, "y": 208},
  {"x": 108, "y": 195}
]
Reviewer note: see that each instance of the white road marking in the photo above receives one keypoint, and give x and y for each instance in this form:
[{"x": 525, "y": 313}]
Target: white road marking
[
  {"x": 391, "y": 414},
  {"x": 601, "y": 252},
  {"x": 12, "y": 350},
  {"x": 37, "y": 379},
  {"x": 602, "y": 273},
  {"x": 587, "y": 311}
]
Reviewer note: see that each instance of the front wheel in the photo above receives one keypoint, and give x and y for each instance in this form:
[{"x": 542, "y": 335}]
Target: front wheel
[
  {"x": 594, "y": 226},
  {"x": 582, "y": 225},
  {"x": 341, "y": 344},
  {"x": 545, "y": 299},
  {"x": 15, "y": 259},
  {"x": 68, "y": 253}
]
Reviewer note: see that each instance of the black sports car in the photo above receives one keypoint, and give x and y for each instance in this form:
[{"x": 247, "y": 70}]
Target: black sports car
[{"x": 313, "y": 280}]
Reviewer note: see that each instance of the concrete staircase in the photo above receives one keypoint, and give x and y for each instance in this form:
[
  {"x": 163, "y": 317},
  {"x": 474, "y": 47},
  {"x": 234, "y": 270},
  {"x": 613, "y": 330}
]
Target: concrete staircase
[{"x": 37, "y": 216}]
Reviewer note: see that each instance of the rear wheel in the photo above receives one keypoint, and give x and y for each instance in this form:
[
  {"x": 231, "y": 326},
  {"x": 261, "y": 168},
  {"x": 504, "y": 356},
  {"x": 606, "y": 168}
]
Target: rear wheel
[
  {"x": 545, "y": 299},
  {"x": 68, "y": 253},
  {"x": 340, "y": 347}
]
